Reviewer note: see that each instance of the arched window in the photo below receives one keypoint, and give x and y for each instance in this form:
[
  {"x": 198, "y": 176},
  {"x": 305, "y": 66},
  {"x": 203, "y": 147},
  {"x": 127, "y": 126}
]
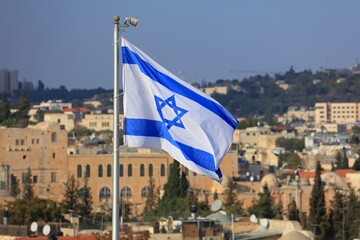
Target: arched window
[
  {"x": 162, "y": 170},
  {"x": 151, "y": 170},
  {"x": 142, "y": 170},
  {"x": 145, "y": 191},
  {"x": 53, "y": 137},
  {"x": 126, "y": 192},
  {"x": 100, "y": 171},
  {"x": 87, "y": 171},
  {"x": 130, "y": 170},
  {"x": 105, "y": 192},
  {"x": 108, "y": 170},
  {"x": 121, "y": 170},
  {"x": 79, "y": 171}
]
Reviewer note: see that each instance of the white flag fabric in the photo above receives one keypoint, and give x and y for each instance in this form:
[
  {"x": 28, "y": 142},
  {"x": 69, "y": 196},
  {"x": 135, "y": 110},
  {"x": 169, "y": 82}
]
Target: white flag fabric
[{"x": 162, "y": 111}]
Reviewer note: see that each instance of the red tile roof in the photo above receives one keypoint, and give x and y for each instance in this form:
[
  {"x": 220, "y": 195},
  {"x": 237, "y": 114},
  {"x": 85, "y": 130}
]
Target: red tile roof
[{"x": 342, "y": 172}]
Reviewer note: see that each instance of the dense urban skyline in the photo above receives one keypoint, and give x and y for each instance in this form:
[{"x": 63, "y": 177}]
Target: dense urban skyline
[{"x": 70, "y": 43}]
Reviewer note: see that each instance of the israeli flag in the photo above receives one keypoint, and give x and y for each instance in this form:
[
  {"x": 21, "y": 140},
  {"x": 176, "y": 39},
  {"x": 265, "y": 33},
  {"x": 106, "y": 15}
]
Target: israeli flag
[{"x": 162, "y": 111}]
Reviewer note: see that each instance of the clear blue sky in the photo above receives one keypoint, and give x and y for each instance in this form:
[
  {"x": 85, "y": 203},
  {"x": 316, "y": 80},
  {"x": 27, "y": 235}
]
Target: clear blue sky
[{"x": 69, "y": 42}]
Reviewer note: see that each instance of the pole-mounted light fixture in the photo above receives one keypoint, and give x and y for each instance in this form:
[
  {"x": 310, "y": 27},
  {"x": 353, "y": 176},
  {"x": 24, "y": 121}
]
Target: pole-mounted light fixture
[{"x": 133, "y": 21}]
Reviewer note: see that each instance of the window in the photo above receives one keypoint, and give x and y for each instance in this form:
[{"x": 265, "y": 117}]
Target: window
[
  {"x": 22, "y": 142},
  {"x": 92, "y": 124},
  {"x": 35, "y": 179},
  {"x": 105, "y": 124},
  {"x": 105, "y": 192},
  {"x": 151, "y": 170},
  {"x": 108, "y": 170},
  {"x": 126, "y": 192},
  {"x": 53, "y": 155},
  {"x": 100, "y": 171},
  {"x": 87, "y": 171},
  {"x": 53, "y": 177},
  {"x": 162, "y": 170},
  {"x": 121, "y": 170},
  {"x": 2, "y": 185},
  {"x": 145, "y": 191},
  {"x": 130, "y": 170},
  {"x": 53, "y": 137},
  {"x": 79, "y": 171},
  {"x": 142, "y": 170}
]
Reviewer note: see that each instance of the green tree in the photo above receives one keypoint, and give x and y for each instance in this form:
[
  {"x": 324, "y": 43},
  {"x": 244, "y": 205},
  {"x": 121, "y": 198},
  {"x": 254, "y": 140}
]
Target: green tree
[
  {"x": 152, "y": 199},
  {"x": 337, "y": 212},
  {"x": 23, "y": 212},
  {"x": 4, "y": 109},
  {"x": 294, "y": 214},
  {"x": 85, "y": 200},
  {"x": 291, "y": 144},
  {"x": 216, "y": 196},
  {"x": 318, "y": 215},
  {"x": 15, "y": 189},
  {"x": 263, "y": 206},
  {"x": 23, "y": 107},
  {"x": 231, "y": 203},
  {"x": 171, "y": 202},
  {"x": 28, "y": 188},
  {"x": 71, "y": 195}
]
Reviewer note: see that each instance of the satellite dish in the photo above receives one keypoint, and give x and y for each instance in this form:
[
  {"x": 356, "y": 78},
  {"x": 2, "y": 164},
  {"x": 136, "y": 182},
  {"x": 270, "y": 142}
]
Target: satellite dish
[
  {"x": 46, "y": 230},
  {"x": 264, "y": 222},
  {"x": 216, "y": 205},
  {"x": 253, "y": 218},
  {"x": 34, "y": 227},
  {"x": 252, "y": 179}
]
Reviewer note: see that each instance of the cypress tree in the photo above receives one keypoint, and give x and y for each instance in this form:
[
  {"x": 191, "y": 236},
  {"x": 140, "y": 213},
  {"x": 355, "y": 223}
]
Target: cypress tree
[
  {"x": 85, "y": 197},
  {"x": 4, "y": 109},
  {"x": 71, "y": 195},
  {"x": 294, "y": 212},
  {"x": 152, "y": 198},
  {"x": 28, "y": 190},
  {"x": 23, "y": 107},
  {"x": 318, "y": 215},
  {"x": 262, "y": 208}
]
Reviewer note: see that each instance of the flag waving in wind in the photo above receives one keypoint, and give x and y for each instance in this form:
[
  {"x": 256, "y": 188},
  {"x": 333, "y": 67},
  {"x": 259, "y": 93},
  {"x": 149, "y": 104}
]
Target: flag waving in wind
[{"x": 162, "y": 111}]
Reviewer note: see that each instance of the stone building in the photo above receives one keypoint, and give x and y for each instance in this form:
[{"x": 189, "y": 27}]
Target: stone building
[{"x": 42, "y": 148}]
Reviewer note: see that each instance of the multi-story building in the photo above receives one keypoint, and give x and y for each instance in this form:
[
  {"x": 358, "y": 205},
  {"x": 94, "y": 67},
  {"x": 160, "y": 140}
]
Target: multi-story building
[
  {"x": 100, "y": 122},
  {"x": 340, "y": 113},
  {"x": 9, "y": 81},
  {"x": 65, "y": 120},
  {"x": 52, "y": 105},
  {"x": 42, "y": 148}
]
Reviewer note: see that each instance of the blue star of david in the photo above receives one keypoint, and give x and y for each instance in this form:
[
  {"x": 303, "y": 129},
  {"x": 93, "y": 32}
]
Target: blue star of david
[{"x": 179, "y": 112}]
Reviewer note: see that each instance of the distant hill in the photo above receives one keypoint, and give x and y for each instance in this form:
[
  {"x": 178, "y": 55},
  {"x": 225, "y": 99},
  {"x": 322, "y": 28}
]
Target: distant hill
[{"x": 262, "y": 95}]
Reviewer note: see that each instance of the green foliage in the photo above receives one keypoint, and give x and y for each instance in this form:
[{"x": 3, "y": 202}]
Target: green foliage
[
  {"x": 71, "y": 195},
  {"x": 291, "y": 159},
  {"x": 23, "y": 212},
  {"x": 81, "y": 132},
  {"x": 342, "y": 161},
  {"x": 152, "y": 200},
  {"x": 28, "y": 189},
  {"x": 318, "y": 215},
  {"x": 249, "y": 122},
  {"x": 4, "y": 109},
  {"x": 173, "y": 201},
  {"x": 291, "y": 144},
  {"x": 15, "y": 189},
  {"x": 21, "y": 115},
  {"x": 85, "y": 200},
  {"x": 231, "y": 204},
  {"x": 294, "y": 212},
  {"x": 262, "y": 208}
]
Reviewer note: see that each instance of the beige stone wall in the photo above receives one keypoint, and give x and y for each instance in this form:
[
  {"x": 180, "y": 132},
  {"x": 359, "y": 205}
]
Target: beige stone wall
[
  {"x": 66, "y": 119},
  {"x": 100, "y": 122},
  {"x": 43, "y": 149}
]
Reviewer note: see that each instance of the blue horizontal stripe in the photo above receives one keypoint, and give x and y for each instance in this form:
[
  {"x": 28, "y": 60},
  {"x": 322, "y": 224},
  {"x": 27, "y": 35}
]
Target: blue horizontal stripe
[
  {"x": 152, "y": 128},
  {"x": 129, "y": 57}
]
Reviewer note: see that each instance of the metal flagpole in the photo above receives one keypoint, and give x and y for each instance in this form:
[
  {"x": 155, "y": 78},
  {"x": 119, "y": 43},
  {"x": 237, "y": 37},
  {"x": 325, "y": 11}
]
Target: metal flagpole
[{"x": 115, "y": 175}]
